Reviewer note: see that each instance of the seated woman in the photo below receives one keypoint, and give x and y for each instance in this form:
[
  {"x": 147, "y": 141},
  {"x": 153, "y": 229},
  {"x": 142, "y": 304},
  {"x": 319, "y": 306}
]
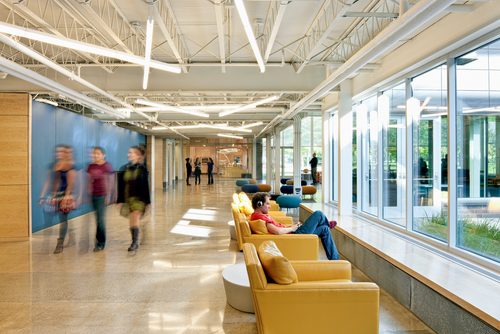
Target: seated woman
[{"x": 317, "y": 224}]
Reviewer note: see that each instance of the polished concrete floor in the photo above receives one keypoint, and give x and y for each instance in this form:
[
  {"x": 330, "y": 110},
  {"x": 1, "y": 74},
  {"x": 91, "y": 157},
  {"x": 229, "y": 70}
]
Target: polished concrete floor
[{"x": 172, "y": 284}]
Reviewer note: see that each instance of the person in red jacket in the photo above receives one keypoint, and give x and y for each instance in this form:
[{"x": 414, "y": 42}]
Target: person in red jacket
[{"x": 317, "y": 224}]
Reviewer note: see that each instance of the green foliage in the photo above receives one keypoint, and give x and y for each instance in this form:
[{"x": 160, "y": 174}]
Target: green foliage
[{"x": 480, "y": 235}]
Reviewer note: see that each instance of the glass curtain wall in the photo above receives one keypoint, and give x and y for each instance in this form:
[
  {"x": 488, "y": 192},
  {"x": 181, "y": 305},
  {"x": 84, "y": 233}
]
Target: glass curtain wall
[
  {"x": 478, "y": 151},
  {"x": 354, "y": 158},
  {"x": 334, "y": 124},
  {"x": 311, "y": 141},
  {"x": 264, "y": 158},
  {"x": 391, "y": 109},
  {"x": 368, "y": 127},
  {"x": 287, "y": 152},
  {"x": 430, "y": 153}
]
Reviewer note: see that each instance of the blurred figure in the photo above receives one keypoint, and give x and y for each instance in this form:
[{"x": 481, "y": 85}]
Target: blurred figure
[
  {"x": 189, "y": 170},
  {"x": 61, "y": 182},
  {"x": 314, "y": 168},
  {"x": 101, "y": 180},
  {"x": 134, "y": 192},
  {"x": 210, "y": 170},
  {"x": 197, "y": 171}
]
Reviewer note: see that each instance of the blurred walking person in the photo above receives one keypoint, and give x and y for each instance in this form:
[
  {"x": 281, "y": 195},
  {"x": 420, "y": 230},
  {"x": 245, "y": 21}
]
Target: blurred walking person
[
  {"x": 197, "y": 171},
  {"x": 133, "y": 192},
  {"x": 61, "y": 182},
  {"x": 101, "y": 181},
  {"x": 210, "y": 169},
  {"x": 189, "y": 170}
]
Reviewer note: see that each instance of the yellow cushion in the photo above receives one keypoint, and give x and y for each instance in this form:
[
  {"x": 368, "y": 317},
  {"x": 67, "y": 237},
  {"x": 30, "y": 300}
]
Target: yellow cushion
[
  {"x": 275, "y": 265},
  {"x": 258, "y": 226},
  {"x": 244, "y": 197},
  {"x": 246, "y": 208},
  {"x": 236, "y": 199}
]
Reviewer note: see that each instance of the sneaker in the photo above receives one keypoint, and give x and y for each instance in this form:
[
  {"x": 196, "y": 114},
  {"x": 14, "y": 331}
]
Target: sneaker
[{"x": 333, "y": 223}]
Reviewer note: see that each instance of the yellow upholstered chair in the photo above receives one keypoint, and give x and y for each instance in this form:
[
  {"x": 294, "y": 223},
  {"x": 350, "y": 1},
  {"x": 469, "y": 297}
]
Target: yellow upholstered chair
[
  {"x": 324, "y": 300},
  {"x": 293, "y": 246}
]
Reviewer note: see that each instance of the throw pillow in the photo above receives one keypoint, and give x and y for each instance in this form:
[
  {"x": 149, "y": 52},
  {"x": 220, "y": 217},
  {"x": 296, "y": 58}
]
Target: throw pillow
[
  {"x": 258, "y": 226},
  {"x": 275, "y": 265}
]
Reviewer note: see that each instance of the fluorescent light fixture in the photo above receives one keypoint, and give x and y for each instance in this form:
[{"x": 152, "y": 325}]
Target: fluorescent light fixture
[
  {"x": 68, "y": 43},
  {"x": 159, "y": 128},
  {"x": 212, "y": 107},
  {"x": 229, "y": 136},
  {"x": 52, "y": 103},
  {"x": 249, "y": 106},
  {"x": 210, "y": 126},
  {"x": 251, "y": 125},
  {"x": 249, "y": 32},
  {"x": 147, "y": 53},
  {"x": 166, "y": 107}
]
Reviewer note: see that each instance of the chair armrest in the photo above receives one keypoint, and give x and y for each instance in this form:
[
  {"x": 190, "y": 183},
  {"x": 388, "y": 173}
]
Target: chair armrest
[
  {"x": 292, "y": 246},
  {"x": 322, "y": 270},
  {"x": 325, "y": 307}
]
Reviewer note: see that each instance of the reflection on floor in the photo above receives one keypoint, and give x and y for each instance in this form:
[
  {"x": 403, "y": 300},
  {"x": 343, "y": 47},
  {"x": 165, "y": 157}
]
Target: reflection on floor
[{"x": 173, "y": 283}]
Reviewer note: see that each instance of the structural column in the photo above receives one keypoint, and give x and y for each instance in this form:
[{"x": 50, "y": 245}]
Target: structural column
[
  {"x": 269, "y": 162},
  {"x": 277, "y": 160},
  {"x": 297, "y": 188},
  {"x": 344, "y": 165}
]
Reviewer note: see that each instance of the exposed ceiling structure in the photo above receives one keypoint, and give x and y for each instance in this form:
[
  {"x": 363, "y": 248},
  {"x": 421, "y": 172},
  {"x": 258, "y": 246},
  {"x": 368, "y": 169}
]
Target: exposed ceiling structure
[{"x": 191, "y": 68}]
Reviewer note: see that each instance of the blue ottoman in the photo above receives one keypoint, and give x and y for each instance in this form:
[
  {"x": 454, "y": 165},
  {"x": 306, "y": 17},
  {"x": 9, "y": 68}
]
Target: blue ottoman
[
  {"x": 283, "y": 180},
  {"x": 289, "y": 202},
  {"x": 250, "y": 188},
  {"x": 286, "y": 190},
  {"x": 242, "y": 182}
]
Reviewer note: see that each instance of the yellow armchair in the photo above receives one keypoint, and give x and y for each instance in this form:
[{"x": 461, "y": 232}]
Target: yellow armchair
[
  {"x": 324, "y": 300},
  {"x": 293, "y": 246}
]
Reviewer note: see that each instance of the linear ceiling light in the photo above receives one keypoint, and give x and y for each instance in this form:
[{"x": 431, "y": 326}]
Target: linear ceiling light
[
  {"x": 251, "y": 125},
  {"x": 147, "y": 53},
  {"x": 249, "y": 32},
  {"x": 249, "y": 106},
  {"x": 41, "y": 99},
  {"x": 83, "y": 47},
  {"x": 212, "y": 107},
  {"x": 166, "y": 107},
  {"x": 210, "y": 126},
  {"x": 229, "y": 136}
]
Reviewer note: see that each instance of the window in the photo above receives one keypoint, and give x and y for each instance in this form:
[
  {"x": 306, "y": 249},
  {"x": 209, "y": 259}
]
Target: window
[
  {"x": 311, "y": 141},
  {"x": 264, "y": 158},
  {"x": 367, "y": 115},
  {"x": 287, "y": 152},
  {"x": 354, "y": 158},
  {"x": 478, "y": 151},
  {"x": 392, "y": 114},
  {"x": 430, "y": 153}
]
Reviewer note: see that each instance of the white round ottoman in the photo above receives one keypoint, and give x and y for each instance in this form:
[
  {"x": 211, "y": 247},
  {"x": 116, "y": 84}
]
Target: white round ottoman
[
  {"x": 232, "y": 230},
  {"x": 237, "y": 286}
]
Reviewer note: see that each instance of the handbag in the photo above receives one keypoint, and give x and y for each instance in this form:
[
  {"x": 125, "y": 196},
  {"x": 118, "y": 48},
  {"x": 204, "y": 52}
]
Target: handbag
[{"x": 124, "y": 210}]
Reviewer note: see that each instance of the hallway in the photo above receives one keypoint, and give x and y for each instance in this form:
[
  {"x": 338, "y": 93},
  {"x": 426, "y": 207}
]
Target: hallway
[{"x": 172, "y": 284}]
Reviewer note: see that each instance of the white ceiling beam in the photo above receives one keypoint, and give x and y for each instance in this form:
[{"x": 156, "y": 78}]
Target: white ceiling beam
[
  {"x": 108, "y": 20},
  {"x": 318, "y": 32},
  {"x": 372, "y": 14},
  {"x": 38, "y": 12},
  {"x": 275, "y": 16},
  {"x": 416, "y": 18},
  {"x": 166, "y": 22},
  {"x": 220, "y": 10}
]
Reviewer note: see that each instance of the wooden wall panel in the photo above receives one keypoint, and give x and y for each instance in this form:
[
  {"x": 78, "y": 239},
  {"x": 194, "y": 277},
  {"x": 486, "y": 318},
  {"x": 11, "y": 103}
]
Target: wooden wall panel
[
  {"x": 14, "y": 170},
  {"x": 14, "y": 144},
  {"x": 14, "y": 104},
  {"x": 14, "y": 208}
]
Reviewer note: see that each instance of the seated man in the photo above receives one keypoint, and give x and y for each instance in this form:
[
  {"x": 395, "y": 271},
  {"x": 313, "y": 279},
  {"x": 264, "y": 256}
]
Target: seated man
[{"x": 317, "y": 224}]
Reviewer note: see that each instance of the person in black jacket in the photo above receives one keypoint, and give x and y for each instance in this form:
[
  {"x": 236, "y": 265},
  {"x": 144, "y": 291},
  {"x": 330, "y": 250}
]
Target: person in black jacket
[
  {"x": 197, "y": 171},
  {"x": 314, "y": 168},
  {"x": 189, "y": 170},
  {"x": 133, "y": 192},
  {"x": 210, "y": 170}
]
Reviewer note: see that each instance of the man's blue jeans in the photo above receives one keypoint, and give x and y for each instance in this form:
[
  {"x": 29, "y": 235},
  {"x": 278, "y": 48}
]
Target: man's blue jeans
[
  {"x": 318, "y": 224},
  {"x": 98, "y": 202}
]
